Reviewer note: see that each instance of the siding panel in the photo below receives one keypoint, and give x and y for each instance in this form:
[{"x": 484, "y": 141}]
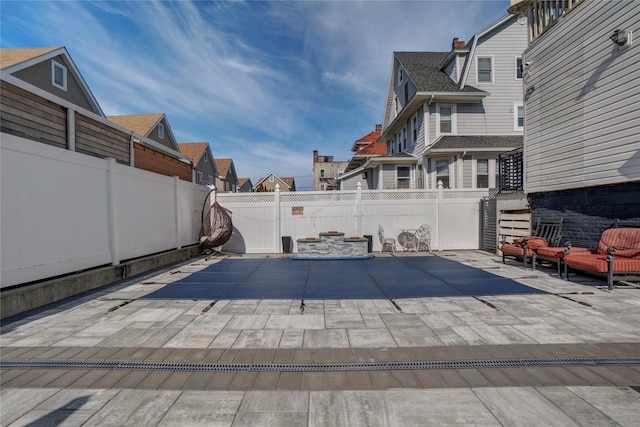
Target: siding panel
[{"x": 583, "y": 117}]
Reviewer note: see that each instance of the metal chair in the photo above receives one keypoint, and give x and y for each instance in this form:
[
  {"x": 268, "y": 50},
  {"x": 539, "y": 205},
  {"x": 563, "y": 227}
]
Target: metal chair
[
  {"x": 386, "y": 242},
  {"x": 423, "y": 233}
]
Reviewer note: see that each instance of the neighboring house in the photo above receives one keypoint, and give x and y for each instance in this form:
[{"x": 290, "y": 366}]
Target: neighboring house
[
  {"x": 326, "y": 171},
  {"x": 269, "y": 182},
  {"x": 154, "y": 146},
  {"x": 227, "y": 179},
  {"x": 448, "y": 115},
  {"x": 204, "y": 167},
  {"x": 582, "y": 103},
  {"x": 357, "y": 172},
  {"x": 245, "y": 185},
  {"x": 44, "y": 98}
]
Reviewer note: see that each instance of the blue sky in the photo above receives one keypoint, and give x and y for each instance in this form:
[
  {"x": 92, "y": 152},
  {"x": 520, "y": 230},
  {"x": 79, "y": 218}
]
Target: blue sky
[{"x": 265, "y": 83}]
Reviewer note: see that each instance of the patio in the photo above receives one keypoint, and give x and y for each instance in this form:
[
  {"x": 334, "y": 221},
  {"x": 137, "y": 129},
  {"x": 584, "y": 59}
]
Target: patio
[{"x": 178, "y": 316}]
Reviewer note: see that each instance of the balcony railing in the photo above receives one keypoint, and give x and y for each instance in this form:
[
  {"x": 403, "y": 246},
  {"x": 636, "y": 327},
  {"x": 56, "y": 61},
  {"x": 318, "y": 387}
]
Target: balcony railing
[{"x": 542, "y": 14}]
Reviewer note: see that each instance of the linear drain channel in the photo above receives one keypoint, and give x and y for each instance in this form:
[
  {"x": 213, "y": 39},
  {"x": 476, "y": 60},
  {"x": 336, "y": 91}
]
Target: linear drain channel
[{"x": 318, "y": 367}]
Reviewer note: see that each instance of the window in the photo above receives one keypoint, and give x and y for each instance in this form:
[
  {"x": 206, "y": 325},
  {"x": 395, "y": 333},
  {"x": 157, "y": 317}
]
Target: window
[
  {"x": 445, "y": 121},
  {"x": 160, "y": 131},
  {"x": 482, "y": 173},
  {"x": 484, "y": 70},
  {"x": 518, "y": 117},
  {"x": 340, "y": 172},
  {"x": 206, "y": 156},
  {"x": 404, "y": 138},
  {"x": 210, "y": 179},
  {"x": 321, "y": 187},
  {"x": 271, "y": 176},
  {"x": 58, "y": 75},
  {"x": 403, "y": 177},
  {"x": 322, "y": 173},
  {"x": 442, "y": 172},
  {"x": 199, "y": 177},
  {"x": 406, "y": 93},
  {"x": 400, "y": 75},
  {"x": 519, "y": 68},
  {"x": 415, "y": 128}
]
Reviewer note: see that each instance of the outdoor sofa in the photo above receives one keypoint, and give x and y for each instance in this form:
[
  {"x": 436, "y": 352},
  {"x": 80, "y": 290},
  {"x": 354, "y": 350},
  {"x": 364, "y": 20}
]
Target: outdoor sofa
[{"x": 617, "y": 256}]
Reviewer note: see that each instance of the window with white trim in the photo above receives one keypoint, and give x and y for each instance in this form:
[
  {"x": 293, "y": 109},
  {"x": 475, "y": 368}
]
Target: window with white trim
[
  {"x": 270, "y": 178},
  {"x": 485, "y": 69},
  {"x": 321, "y": 187},
  {"x": 442, "y": 172},
  {"x": 482, "y": 173},
  {"x": 518, "y": 116},
  {"x": 403, "y": 177},
  {"x": 206, "y": 156},
  {"x": 519, "y": 68},
  {"x": 160, "y": 131},
  {"x": 446, "y": 116},
  {"x": 414, "y": 125},
  {"x": 340, "y": 172},
  {"x": 58, "y": 75}
]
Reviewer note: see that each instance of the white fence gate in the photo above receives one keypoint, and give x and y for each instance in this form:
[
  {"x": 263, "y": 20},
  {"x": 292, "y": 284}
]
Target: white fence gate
[{"x": 260, "y": 220}]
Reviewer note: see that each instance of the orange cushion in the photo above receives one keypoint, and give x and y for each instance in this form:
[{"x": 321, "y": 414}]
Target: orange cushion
[
  {"x": 624, "y": 237},
  {"x": 514, "y": 249},
  {"x": 551, "y": 252},
  {"x": 536, "y": 242},
  {"x": 598, "y": 263}
]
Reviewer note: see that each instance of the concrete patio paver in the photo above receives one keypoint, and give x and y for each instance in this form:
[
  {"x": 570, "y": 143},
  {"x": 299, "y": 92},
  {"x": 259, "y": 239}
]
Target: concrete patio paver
[{"x": 575, "y": 319}]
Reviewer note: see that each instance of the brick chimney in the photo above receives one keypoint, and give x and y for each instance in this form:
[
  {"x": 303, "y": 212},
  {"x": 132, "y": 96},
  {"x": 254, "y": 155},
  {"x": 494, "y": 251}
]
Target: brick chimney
[
  {"x": 315, "y": 156},
  {"x": 457, "y": 44},
  {"x": 378, "y": 128}
]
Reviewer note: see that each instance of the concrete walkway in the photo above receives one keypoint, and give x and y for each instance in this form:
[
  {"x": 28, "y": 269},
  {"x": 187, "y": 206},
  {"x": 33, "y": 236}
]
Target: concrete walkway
[{"x": 237, "y": 343}]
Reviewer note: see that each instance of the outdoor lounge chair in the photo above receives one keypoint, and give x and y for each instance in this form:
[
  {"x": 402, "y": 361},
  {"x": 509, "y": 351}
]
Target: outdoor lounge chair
[
  {"x": 617, "y": 256},
  {"x": 547, "y": 233},
  {"x": 386, "y": 242}
]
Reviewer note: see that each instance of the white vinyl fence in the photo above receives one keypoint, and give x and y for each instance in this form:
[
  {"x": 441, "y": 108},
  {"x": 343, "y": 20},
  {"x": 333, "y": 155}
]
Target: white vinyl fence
[
  {"x": 260, "y": 220},
  {"x": 62, "y": 211}
]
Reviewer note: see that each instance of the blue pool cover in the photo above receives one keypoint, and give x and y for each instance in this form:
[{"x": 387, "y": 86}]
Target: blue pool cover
[{"x": 375, "y": 278}]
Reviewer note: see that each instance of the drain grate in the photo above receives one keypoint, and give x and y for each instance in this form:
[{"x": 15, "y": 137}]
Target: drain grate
[{"x": 320, "y": 367}]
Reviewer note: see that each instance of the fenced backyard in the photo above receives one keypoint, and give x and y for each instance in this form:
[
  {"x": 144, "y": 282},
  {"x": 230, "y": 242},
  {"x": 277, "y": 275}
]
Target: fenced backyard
[
  {"x": 63, "y": 211},
  {"x": 261, "y": 220}
]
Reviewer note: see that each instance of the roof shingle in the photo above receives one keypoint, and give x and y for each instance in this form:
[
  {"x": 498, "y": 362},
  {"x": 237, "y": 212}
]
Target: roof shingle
[
  {"x": 139, "y": 123},
  {"x": 13, "y": 56},
  {"x": 424, "y": 70},
  {"x": 193, "y": 150}
]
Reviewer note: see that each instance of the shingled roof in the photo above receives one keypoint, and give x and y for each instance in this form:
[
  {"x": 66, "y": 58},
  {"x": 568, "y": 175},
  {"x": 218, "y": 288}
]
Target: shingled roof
[
  {"x": 13, "y": 56},
  {"x": 223, "y": 166},
  {"x": 425, "y": 72},
  {"x": 139, "y": 123},
  {"x": 193, "y": 150}
]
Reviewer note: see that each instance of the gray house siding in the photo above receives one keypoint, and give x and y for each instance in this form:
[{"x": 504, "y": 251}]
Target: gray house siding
[
  {"x": 39, "y": 75},
  {"x": 168, "y": 140},
  {"x": 503, "y": 45},
  {"x": 583, "y": 112}
]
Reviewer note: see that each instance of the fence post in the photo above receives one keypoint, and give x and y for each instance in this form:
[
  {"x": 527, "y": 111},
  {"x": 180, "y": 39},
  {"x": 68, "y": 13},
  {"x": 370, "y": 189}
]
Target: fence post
[
  {"x": 359, "y": 209},
  {"x": 176, "y": 209},
  {"x": 113, "y": 211},
  {"x": 440, "y": 214},
  {"x": 277, "y": 226}
]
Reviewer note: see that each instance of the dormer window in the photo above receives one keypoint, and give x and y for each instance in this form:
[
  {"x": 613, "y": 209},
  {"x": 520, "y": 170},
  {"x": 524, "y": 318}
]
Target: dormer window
[
  {"x": 160, "y": 131},
  {"x": 58, "y": 75}
]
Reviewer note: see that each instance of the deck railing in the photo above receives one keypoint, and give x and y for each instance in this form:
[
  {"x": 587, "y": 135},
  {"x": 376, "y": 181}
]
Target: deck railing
[{"x": 542, "y": 14}]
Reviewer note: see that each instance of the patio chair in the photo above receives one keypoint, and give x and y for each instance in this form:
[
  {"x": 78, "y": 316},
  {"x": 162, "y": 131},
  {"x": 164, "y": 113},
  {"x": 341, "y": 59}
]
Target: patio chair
[
  {"x": 423, "y": 233},
  {"x": 386, "y": 242},
  {"x": 547, "y": 233}
]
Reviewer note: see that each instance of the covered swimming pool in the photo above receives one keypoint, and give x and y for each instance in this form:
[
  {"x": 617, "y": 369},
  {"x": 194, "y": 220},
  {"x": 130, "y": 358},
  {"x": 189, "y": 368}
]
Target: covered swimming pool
[{"x": 375, "y": 278}]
